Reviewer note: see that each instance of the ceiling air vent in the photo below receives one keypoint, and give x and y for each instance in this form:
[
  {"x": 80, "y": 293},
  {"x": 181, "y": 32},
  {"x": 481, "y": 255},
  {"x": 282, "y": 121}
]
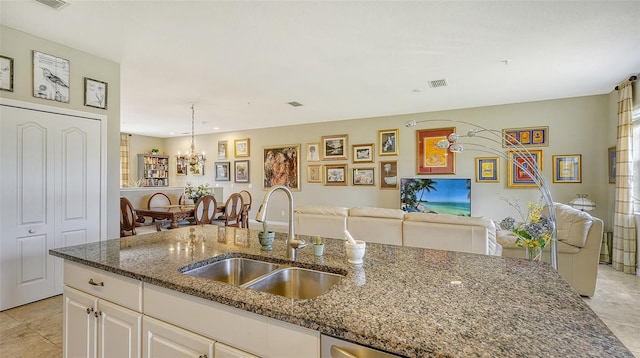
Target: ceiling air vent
[
  {"x": 438, "y": 83},
  {"x": 54, "y": 4},
  {"x": 294, "y": 104}
]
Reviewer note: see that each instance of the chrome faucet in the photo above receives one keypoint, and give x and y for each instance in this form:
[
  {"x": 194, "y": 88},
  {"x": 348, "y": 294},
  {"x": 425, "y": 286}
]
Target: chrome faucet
[{"x": 261, "y": 216}]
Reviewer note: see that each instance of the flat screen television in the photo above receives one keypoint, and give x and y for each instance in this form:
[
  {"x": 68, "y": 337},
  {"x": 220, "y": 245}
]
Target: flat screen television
[{"x": 432, "y": 195}]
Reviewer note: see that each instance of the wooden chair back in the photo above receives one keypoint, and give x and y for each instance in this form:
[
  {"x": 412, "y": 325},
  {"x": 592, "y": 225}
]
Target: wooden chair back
[
  {"x": 233, "y": 210},
  {"x": 205, "y": 210},
  {"x": 158, "y": 199},
  {"x": 127, "y": 217},
  {"x": 246, "y": 197}
]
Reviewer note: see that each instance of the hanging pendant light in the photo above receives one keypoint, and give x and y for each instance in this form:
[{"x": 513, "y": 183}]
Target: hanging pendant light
[{"x": 194, "y": 159}]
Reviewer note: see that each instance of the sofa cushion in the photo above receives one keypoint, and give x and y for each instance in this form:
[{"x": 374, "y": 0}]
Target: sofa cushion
[
  {"x": 377, "y": 212},
  {"x": 507, "y": 239},
  {"x": 322, "y": 210},
  {"x": 572, "y": 225},
  {"x": 450, "y": 219}
]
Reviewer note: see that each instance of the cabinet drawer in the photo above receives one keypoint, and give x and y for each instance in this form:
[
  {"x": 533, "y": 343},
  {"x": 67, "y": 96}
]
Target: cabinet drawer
[{"x": 118, "y": 289}]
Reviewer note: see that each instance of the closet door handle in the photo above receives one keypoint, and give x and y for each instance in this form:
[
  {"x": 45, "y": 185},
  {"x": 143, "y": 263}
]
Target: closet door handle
[
  {"x": 32, "y": 231},
  {"x": 94, "y": 283}
]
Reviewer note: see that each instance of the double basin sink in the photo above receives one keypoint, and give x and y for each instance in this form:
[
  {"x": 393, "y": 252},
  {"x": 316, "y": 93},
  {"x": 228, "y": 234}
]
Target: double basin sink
[{"x": 278, "y": 279}]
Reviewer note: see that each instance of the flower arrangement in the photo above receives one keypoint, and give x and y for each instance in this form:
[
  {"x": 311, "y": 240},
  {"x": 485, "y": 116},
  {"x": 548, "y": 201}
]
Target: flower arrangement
[
  {"x": 197, "y": 193},
  {"x": 533, "y": 233}
]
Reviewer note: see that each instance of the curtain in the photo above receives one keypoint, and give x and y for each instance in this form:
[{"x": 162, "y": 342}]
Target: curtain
[
  {"x": 124, "y": 160},
  {"x": 624, "y": 236}
]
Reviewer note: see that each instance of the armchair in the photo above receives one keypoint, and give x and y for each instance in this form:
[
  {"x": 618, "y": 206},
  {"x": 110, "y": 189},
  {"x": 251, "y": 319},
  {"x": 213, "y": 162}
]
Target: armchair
[{"x": 579, "y": 239}]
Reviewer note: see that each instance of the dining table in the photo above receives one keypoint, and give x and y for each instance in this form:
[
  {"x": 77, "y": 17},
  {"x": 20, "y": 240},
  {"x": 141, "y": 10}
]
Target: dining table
[{"x": 175, "y": 213}]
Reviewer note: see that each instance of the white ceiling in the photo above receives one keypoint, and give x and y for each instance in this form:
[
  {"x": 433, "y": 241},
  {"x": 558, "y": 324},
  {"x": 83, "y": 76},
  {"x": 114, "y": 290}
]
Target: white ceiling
[{"x": 241, "y": 62}]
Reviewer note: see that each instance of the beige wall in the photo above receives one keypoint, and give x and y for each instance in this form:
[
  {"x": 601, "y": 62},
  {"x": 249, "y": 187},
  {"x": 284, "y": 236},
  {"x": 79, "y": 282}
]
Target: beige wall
[
  {"x": 18, "y": 45},
  {"x": 576, "y": 126}
]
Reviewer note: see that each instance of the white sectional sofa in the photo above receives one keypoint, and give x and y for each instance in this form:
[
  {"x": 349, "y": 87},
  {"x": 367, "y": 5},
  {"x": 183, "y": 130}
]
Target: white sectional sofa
[
  {"x": 450, "y": 232},
  {"x": 326, "y": 221},
  {"x": 395, "y": 227}
]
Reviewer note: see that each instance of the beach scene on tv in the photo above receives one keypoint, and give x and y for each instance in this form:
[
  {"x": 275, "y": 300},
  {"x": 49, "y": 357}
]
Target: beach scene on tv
[{"x": 438, "y": 196}]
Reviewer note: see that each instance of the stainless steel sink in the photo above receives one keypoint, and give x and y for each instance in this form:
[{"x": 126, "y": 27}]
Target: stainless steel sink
[
  {"x": 296, "y": 282},
  {"x": 235, "y": 271}
]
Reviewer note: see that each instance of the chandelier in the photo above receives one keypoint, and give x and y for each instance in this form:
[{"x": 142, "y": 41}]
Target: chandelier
[{"x": 194, "y": 159}]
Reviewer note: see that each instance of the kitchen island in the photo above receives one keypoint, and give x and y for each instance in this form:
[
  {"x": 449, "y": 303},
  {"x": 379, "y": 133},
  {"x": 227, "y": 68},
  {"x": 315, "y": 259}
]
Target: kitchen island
[{"x": 406, "y": 301}]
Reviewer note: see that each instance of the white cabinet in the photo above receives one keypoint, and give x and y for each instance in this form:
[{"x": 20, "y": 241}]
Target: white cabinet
[
  {"x": 102, "y": 314},
  {"x": 163, "y": 340},
  {"x": 249, "y": 332},
  {"x": 79, "y": 334},
  {"x": 98, "y": 328},
  {"x": 104, "y": 317},
  {"x": 225, "y": 351}
]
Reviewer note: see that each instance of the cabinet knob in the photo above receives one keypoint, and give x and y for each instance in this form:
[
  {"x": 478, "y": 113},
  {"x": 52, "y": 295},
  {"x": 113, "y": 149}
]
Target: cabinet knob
[
  {"x": 32, "y": 231},
  {"x": 94, "y": 283}
]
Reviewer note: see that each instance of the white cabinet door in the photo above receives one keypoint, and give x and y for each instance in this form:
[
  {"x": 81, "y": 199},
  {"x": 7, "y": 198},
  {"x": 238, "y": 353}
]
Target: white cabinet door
[
  {"x": 51, "y": 185},
  {"x": 225, "y": 351},
  {"x": 164, "y": 340},
  {"x": 79, "y": 334},
  {"x": 119, "y": 331}
]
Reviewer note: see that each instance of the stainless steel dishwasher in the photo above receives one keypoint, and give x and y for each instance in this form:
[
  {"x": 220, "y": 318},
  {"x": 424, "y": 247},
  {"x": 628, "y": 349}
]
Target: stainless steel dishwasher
[{"x": 336, "y": 348}]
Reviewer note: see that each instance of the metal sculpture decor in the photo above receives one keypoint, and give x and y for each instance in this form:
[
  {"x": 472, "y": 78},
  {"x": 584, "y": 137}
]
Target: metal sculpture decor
[{"x": 454, "y": 143}]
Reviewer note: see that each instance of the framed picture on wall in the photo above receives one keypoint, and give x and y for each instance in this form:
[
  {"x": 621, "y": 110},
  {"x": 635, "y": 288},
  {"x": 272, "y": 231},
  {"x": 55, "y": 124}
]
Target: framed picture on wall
[
  {"x": 520, "y": 173},
  {"x": 430, "y": 158},
  {"x": 363, "y": 176},
  {"x": 611, "y": 154},
  {"x": 222, "y": 171},
  {"x": 528, "y": 137},
  {"x": 282, "y": 166},
  {"x": 567, "y": 168},
  {"x": 388, "y": 142},
  {"x": 181, "y": 165},
  {"x": 362, "y": 153},
  {"x": 313, "y": 152},
  {"x": 334, "y": 147},
  {"x": 314, "y": 173},
  {"x": 50, "y": 77},
  {"x": 389, "y": 174},
  {"x": 222, "y": 149},
  {"x": 242, "y": 148},
  {"x": 6, "y": 73},
  {"x": 241, "y": 171},
  {"x": 95, "y": 93},
  {"x": 335, "y": 174},
  {"x": 487, "y": 170}
]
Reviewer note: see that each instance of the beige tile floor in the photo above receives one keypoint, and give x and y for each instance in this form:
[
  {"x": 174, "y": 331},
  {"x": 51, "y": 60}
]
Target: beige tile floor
[{"x": 35, "y": 330}]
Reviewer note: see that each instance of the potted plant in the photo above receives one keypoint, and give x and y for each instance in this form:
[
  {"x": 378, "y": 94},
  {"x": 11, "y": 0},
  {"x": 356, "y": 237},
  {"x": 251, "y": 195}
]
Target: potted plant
[
  {"x": 155, "y": 151},
  {"x": 266, "y": 238},
  {"x": 318, "y": 246}
]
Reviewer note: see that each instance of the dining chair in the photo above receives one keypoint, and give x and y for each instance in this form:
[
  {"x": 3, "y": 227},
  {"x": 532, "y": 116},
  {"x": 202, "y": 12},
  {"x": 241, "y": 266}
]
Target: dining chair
[
  {"x": 205, "y": 210},
  {"x": 129, "y": 220},
  {"x": 246, "y": 197},
  {"x": 233, "y": 210},
  {"x": 156, "y": 200}
]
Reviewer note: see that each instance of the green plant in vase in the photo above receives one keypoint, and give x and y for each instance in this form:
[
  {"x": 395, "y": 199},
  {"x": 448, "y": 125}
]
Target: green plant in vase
[{"x": 266, "y": 237}]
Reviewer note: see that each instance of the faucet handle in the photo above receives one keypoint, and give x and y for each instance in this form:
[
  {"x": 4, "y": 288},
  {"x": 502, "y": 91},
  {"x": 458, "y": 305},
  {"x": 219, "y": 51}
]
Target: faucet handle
[{"x": 298, "y": 243}]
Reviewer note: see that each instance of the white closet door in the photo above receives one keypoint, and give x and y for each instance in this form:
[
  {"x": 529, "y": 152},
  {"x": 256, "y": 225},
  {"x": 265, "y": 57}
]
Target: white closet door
[{"x": 50, "y": 183}]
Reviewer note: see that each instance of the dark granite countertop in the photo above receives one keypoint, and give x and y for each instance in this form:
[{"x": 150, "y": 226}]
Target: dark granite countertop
[{"x": 400, "y": 300}]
